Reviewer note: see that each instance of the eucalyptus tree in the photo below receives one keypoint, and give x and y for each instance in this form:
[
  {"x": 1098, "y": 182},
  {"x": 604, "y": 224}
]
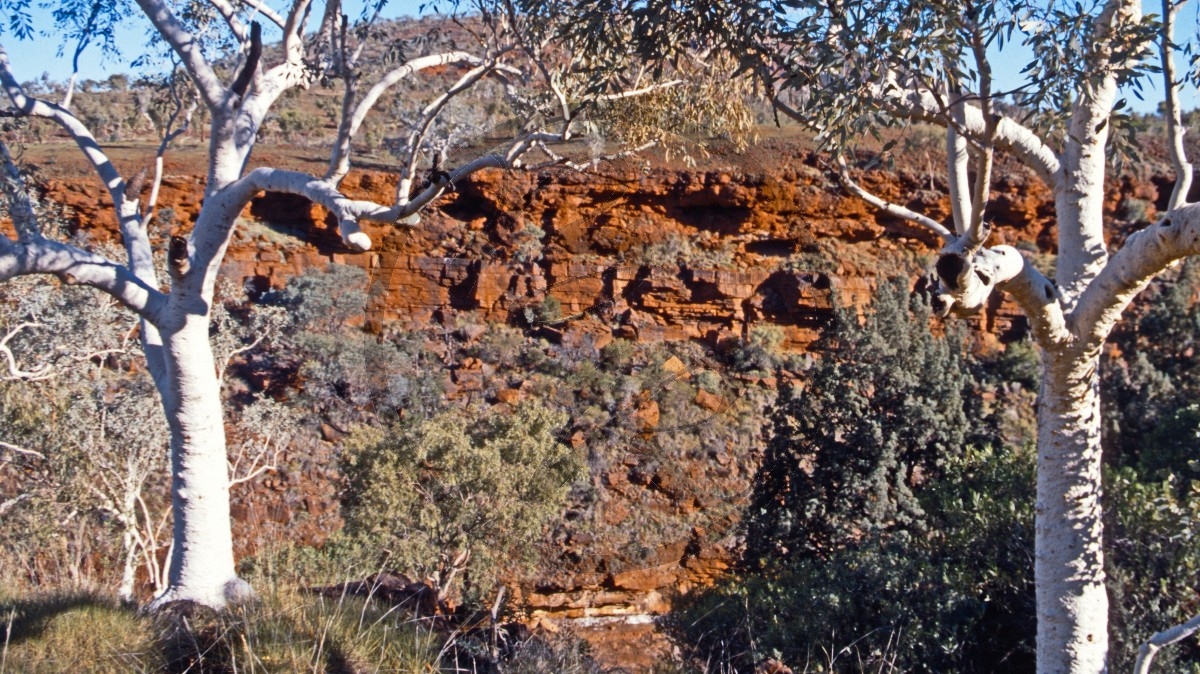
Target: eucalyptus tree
[
  {"x": 846, "y": 68},
  {"x": 219, "y": 46}
]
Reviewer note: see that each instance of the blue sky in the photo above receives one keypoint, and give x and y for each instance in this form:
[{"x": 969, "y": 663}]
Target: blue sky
[{"x": 31, "y": 58}]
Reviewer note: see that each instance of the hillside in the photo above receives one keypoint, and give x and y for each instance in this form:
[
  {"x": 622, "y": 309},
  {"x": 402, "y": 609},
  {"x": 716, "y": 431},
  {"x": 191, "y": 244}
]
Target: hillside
[{"x": 684, "y": 266}]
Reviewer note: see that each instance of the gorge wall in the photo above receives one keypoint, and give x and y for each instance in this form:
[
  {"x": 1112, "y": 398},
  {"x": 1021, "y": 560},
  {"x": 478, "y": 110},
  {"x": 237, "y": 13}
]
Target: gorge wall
[{"x": 626, "y": 252}]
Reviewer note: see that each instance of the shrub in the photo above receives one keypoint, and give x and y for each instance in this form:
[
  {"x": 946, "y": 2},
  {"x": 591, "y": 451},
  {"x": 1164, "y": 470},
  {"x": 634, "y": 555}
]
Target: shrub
[
  {"x": 872, "y": 423},
  {"x": 761, "y": 350},
  {"x": 461, "y": 483},
  {"x": 959, "y": 599},
  {"x": 873, "y": 538},
  {"x": 326, "y": 300},
  {"x": 1153, "y": 564}
]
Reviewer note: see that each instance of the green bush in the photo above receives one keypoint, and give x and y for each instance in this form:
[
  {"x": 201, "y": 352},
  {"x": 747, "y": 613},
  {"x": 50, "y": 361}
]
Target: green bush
[
  {"x": 873, "y": 538},
  {"x": 324, "y": 301},
  {"x": 479, "y": 484},
  {"x": 958, "y": 599},
  {"x": 874, "y": 420},
  {"x": 1153, "y": 565}
]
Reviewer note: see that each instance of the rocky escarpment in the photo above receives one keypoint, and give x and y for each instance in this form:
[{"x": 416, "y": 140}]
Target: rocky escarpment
[{"x": 658, "y": 254}]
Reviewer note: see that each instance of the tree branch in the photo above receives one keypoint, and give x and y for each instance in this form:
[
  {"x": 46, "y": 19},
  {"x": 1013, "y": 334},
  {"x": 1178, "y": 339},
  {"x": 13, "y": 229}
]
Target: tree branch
[
  {"x": 1010, "y": 136},
  {"x": 888, "y": 207},
  {"x": 265, "y": 10},
  {"x": 429, "y": 114},
  {"x": 293, "y": 31},
  {"x": 339, "y": 160},
  {"x": 21, "y": 450},
  {"x": 33, "y": 107},
  {"x": 957, "y": 160},
  {"x": 1173, "y": 114},
  {"x": 11, "y": 503},
  {"x": 966, "y": 282},
  {"x": 976, "y": 231},
  {"x": 189, "y": 51},
  {"x": 229, "y": 13},
  {"x": 76, "y": 266},
  {"x": 1146, "y": 253},
  {"x": 349, "y": 211},
  {"x": 1151, "y": 646},
  {"x": 15, "y": 371}
]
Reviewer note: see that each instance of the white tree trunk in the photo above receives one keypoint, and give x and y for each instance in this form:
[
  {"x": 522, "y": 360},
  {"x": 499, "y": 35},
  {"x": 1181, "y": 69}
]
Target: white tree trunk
[
  {"x": 201, "y": 565},
  {"x": 125, "y": 592},
  {"x": 1072, "y": 605}
]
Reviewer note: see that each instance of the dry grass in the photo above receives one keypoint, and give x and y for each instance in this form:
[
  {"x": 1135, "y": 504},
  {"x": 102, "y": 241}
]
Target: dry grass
[
  {"x": 75, "y": 631},
  {"x": 284, "y": 630}
]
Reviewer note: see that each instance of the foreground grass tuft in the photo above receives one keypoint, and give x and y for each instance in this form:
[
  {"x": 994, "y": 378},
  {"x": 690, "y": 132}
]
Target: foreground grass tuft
[
  {"x": 283, "y": 631},
  {"x": 75, "y": 631}
]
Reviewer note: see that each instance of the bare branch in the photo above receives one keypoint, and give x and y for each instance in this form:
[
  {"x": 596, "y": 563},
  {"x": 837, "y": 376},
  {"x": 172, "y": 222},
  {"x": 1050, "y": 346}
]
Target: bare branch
[
  {"x": 137, "y": 244},
  {"x": 189, "y": 51},
  {"x": 11, "y": 503},
  {"x": 293, "y": 31},
  {"x": 558, "y": 160},
  {"x": 429, "y": 114},
  {"x": 265, "y": 10},
  {"x": 14, "y": 371},
  {"x": 888, "y": 207},
  {"x": 1010, "y": 136},
  {"x": 21, "y": 450},
  {"x": 976, "y": 231},
  {"x": 169, "y": 135},
  {"x": 84, "y": 37},
  {"x": 639, "y": 92},
  {"x": 339, "y": 161},
  {"x": 1154, "y": 644},
  {"x": 1173, "y": 114},
  {"x": 350, "y": 211},
  {"x": 83, "y": 137},
  {"x": 229, "y": 13},
  {"x": 1146, "y": 253},
  {"x": 76, "y": 266},
  {"x": 957, "y": 161}
]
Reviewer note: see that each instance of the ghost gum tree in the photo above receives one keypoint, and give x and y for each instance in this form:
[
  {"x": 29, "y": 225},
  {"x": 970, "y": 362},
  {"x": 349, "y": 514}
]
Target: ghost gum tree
[
  {"x": 846, "y": 68},
  {"x": 540, "y": 79}
]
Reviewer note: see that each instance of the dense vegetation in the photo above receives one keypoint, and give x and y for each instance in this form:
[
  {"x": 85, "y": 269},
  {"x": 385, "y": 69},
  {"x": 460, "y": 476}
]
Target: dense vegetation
[
  {"x": 889, "y": 525},
  {"x": 900, "y": 535}
]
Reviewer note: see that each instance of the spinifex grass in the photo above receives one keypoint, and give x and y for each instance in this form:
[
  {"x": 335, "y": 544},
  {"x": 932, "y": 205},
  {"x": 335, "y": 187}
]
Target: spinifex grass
[
  {"x": 75, "y": 631},
  {"x": 284, "y": 630}
]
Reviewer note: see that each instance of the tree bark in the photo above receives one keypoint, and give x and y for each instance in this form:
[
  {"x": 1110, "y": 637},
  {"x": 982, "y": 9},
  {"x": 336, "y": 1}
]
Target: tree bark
[
  {"x": 201, "y": 566},
  {"x": 1072, "y": 605}
]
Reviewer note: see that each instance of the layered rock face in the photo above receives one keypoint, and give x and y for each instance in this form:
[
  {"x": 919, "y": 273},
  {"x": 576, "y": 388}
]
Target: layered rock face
[{"x": 657, "y": 254}]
